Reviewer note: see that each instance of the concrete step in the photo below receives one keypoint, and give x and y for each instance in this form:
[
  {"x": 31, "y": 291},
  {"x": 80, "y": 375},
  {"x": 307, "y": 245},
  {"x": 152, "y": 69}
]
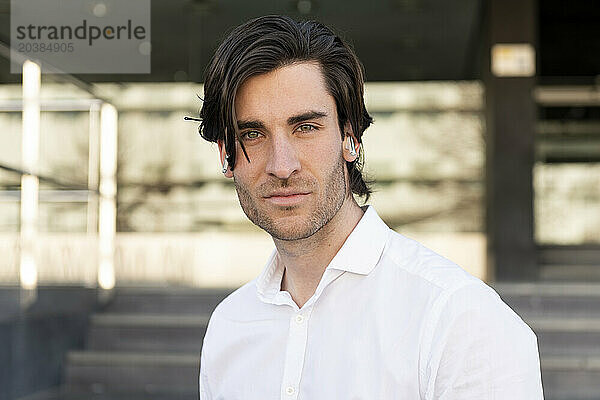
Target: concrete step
[
  {"x": 108, "y": 375},
  {"x": 552, "y": 299},
  {"x": 570, "y": 272},
  {"x": 572, "y": 378},
  {"x": 46, "y": 394},
  {"x": 128, "y": 372},
  {"x": 183, "y": 333},
  {"x": 558, "y": 336},
  {"x": 147, "y": 332},
  {"x": 62, "y": 393},
  {"x": 157, "y": 376},
  {"x": 166, "y": 300}
]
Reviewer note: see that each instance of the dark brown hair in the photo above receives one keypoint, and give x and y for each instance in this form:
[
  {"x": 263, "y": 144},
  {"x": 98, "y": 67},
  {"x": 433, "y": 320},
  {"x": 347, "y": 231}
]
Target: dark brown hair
[{"x": 266, "y": 43}]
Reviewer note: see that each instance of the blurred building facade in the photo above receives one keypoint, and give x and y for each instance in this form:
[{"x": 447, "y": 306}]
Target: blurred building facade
[
  {"x": 425, "y": 153},
  {"x": 452, "y": 152}
]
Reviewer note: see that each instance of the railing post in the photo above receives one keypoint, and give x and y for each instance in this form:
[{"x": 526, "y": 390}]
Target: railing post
[
  {"x": 29, "y": 181},
  {"x": 107, "y": 214},
  {"x": 93, "y": 160}
]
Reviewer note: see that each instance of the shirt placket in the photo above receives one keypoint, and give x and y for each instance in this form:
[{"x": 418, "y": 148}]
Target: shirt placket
[
  {"x": 294, "y": 358},
  {"x": 298, "y": 337}
]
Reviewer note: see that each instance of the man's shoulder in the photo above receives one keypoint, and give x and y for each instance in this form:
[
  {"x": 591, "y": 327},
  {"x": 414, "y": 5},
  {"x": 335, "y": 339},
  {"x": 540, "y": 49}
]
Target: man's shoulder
[
  {"x": 443, "y": 285},
  {"x": 452, "y": 293},
  {"x": 241, "y": 302},
  {"x": 420, "y": 263}
]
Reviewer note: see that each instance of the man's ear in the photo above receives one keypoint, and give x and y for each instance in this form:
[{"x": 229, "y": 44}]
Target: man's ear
[
  {"x": 224, "y": 165},
  {"x": 349, "y": 142}
]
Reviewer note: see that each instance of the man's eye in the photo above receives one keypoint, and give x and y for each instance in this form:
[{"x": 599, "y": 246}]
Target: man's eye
[
  {"x": 251, "y": 135},
  {"x": 306, "y": 128}
]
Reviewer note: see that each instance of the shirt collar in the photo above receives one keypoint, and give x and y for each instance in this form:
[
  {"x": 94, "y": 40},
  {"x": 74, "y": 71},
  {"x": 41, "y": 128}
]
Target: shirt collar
[
  {"x": 363, "y": 248},
  {"x": 359, "y": 254}
]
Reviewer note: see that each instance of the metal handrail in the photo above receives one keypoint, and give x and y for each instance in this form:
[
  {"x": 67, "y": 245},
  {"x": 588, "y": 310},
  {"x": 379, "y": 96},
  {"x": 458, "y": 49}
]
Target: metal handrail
[
  {"x": 58, "y": 74},
  {"x": 44, "y": 178}
]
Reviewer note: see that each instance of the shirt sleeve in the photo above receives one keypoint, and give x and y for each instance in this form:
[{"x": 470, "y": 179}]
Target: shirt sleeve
[
  {"x": 481, "y": 349},
  {"x": 203, "y": 384}
]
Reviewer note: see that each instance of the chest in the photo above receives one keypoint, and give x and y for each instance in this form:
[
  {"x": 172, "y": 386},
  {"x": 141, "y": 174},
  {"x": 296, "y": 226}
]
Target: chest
[{"x": 351, "y": 352}]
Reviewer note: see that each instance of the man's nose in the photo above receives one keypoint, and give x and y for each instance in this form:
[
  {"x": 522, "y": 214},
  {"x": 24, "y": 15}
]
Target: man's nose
[{"x": 283, "y": 160}]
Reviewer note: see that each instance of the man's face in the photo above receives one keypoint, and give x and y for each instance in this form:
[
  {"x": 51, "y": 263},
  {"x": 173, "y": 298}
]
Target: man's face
[{"x": 295, "y": 182}]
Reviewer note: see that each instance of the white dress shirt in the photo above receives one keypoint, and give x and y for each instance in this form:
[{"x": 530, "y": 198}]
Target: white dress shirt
[{"x": 390, "y": 319}]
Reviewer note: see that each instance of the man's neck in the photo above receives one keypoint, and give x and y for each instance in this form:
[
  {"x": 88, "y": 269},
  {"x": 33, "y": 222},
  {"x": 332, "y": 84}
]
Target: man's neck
[{"x": 305, "y": 260}]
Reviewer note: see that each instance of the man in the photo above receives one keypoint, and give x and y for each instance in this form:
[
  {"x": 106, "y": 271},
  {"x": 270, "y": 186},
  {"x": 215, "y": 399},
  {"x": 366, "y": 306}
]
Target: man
[{"x": 345, "y": 308}]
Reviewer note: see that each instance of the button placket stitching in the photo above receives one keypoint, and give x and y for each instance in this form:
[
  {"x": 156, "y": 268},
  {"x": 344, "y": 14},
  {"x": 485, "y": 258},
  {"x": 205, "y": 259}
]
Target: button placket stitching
[
  {"x": 296, "y": 349},
  {"x": 297, "y": 339}
]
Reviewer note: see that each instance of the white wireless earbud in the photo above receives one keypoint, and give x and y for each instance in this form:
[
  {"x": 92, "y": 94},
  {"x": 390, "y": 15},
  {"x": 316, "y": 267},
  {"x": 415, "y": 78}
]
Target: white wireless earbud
[
  {"x": 225, "y": 165},
  {"x": 350, "y": 145}
]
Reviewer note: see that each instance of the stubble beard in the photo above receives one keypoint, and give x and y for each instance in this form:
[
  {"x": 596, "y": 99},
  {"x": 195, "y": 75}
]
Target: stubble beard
[{"x": 328, "y": 204}]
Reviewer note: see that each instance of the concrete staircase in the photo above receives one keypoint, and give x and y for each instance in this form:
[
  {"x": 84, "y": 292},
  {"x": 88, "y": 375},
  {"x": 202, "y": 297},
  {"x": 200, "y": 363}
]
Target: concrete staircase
[
  {"x": 566, "y": 320},
  {"x": 146, "y": 343}
]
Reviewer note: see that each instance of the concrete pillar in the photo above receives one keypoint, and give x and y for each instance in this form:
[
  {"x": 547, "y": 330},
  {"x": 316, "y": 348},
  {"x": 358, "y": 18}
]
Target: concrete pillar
[{"x": 509, "y": 78}]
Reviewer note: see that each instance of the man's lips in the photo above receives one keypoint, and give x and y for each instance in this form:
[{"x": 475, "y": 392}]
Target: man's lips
[
  {"x": 286, "y": 193},
  {"x": 286, "y": 198}
]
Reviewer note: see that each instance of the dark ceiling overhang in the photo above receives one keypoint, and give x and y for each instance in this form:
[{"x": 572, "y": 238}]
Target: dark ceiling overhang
[{"x": 397, "y": 40}]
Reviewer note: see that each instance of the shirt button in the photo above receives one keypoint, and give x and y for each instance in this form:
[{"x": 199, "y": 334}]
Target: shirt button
[
  {"x": 299, "y": 318},
  {"x": 290, "y": 390}
]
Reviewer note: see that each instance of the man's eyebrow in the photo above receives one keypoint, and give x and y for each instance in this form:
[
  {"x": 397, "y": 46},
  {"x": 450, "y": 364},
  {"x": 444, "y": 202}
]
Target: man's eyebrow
[
  {"x": 250, "y": 125},
  {"x": 305, "y": 117},
  {"x": 256, "y": 124}
]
